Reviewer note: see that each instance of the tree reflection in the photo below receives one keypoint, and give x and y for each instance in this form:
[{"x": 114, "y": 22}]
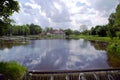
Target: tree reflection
[
  {"x": 113, "y": 61},
  {"x": 99, "y": 45},
  {"x": 9, "y": 44}
]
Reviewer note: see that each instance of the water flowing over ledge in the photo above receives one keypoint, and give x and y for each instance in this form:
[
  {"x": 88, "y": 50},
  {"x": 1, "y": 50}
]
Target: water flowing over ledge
[{"x": 92, "y": 74}]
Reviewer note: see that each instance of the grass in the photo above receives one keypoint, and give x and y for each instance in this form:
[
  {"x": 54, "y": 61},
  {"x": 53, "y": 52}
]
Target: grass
[
  {"x": 12, "y": 70},
  {"x": 90, "y": 37}
]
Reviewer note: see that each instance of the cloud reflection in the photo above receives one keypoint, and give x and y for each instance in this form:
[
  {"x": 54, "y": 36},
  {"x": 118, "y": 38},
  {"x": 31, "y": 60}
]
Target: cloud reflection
[{"x": 56, "y": 54}]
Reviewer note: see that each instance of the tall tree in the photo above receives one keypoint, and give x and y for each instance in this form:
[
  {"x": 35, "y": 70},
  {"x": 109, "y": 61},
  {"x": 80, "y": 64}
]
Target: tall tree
[
  {"x": 7, "y": 8},
  {"x": 117, "y": 16}
]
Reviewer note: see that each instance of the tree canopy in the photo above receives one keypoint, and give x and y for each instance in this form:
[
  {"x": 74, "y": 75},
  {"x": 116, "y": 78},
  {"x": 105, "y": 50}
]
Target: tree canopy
[{"x": 7, "y": 8}]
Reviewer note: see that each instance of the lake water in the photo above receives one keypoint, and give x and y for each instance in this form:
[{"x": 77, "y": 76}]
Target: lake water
[{"x": 56, "y": 54}]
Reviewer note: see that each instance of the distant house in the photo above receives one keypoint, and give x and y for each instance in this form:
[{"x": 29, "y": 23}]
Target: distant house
[{"x": 56, "y": 33}]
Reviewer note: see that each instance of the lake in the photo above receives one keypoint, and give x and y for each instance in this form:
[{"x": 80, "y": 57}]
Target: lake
[{"x": 57, "y": 54}]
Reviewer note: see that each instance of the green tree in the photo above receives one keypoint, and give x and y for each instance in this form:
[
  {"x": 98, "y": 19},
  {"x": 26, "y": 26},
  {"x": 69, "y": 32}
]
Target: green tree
[
  {"x": 117, "y": 16},
  {"x": 111, "y": 29},
  {"x": 102, "y": 31},
  {"x": 111, "y": 19},
  {"x": 7, "y": 8},
  {"x": 93, "y": 32},
  {"x": 35, "y": 29},
  {"x": 68, "y": 32},
  {"x": 114, "y": 23}
]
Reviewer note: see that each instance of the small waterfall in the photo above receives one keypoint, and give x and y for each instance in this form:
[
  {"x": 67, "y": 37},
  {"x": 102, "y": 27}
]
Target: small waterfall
[
  {"x": 97, "y": 75},
  {"x": 67, "y": 77},
  {"x": 110, "y": 77},
  {"x": 52, "y": 78},
  {"x": 81, "y": 76}
]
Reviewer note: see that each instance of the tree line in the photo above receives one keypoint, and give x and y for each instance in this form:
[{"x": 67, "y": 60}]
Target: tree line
[
  {"x": 112, "y": 29},
  {"x": 27, "y": 29}
]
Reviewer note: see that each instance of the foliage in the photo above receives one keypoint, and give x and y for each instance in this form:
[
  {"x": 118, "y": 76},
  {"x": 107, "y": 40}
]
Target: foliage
[
  {"x": 24, "y": 30},
  {"x": 117, "y": 16},
  {"x": 68, "y": 32},
  {"x": 118, "y": 34},
  {"x": 114, "y": 48},
  {"x": 12, "y": 70},
  {"x": 111, "y": 19},
  {"x": 35, "y": 29},
  {"x": 99, "y": 30},
  {"x": 112, "y": 29},
  {"x": 7, "y": 8},
  {"x": 114, "y": 23}
]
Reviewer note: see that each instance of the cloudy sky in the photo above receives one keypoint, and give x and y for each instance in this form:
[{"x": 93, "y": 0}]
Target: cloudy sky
[{"x": 65, "y": 13}]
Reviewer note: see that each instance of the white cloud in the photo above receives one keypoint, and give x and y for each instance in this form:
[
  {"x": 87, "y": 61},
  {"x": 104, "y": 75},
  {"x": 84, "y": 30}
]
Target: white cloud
[{"x": 65, "y": 13}]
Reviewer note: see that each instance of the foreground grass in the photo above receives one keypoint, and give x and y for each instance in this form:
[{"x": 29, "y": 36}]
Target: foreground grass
[{"x": 12, "y": 70}]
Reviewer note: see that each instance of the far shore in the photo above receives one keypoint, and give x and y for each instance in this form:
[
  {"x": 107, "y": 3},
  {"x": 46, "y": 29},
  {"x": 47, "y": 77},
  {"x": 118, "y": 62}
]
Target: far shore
[{"x": 32, "y": 37}]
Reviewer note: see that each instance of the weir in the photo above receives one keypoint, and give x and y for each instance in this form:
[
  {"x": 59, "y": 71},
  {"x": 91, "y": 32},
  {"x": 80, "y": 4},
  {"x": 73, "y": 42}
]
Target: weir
[{"x": 96, "y": 74}]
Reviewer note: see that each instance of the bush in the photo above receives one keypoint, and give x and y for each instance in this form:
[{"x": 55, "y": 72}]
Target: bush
[
  {"x": 118, "y": 34},
  {"x": 12, "y": 70},
  {"x": 114, "y": 48}
]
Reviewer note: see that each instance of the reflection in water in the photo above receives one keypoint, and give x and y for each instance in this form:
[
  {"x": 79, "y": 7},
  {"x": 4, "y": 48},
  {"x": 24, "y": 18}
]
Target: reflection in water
[
  {"x": 113, "y": 61},
  {"x": 9, "y": 44},
  {"x": 56, "y": 54},
  {"x": 99, "y": 45}
]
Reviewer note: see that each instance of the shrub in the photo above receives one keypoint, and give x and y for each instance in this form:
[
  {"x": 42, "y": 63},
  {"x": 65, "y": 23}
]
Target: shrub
[
  {"x": 114, "y": 48},
  {"x": 12, "y": 70}
]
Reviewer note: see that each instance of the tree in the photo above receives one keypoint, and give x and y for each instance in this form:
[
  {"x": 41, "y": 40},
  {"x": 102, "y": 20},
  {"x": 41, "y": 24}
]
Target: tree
[
  {"x": 99, "y": 30},
  {"x": 102, "y": 31},
  {"x": 111, "y": 19},
  {"x": 93, "y": 32},
  {"x": 111, "y": 29},
  {"x": 7, "y": 8},
  {"x": 114, "y": 23},
  {"x": 68, "y": 32},
  {"x": 35, "y": 29},
  {"x": 117, "y": 16}
]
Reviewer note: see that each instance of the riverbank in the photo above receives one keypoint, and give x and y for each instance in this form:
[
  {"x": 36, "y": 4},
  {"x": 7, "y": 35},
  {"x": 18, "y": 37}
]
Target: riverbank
[
  {"x": 29, "y": 37},
  {"x": 95, "y": 38}
]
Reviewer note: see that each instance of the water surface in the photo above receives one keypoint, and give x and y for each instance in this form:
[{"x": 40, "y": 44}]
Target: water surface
[{"x": 57, "y": 54}]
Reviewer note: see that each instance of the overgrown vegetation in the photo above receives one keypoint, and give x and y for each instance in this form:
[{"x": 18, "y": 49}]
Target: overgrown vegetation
[
  {"x": 12, "y": 70},
  {"x": 114, "y": 49}
]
